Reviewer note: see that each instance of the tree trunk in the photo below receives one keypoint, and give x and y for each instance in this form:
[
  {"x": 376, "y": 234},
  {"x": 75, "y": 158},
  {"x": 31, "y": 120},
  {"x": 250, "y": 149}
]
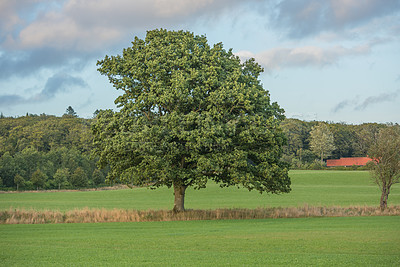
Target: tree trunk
[
  {"x": 322, "y": 158},
  {"x": 384, "y": 198},
  {"x": 179, "y": 202},
  {"x": 301, "y": 160}
]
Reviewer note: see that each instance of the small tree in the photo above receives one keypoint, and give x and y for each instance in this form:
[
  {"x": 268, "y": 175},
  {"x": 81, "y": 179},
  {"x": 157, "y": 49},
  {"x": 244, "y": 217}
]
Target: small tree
[
  {"x": 19, "y": 181},
  {"x": 70, "y": 112},
  {"x": 79, "y": 178},
  {"x": 38, "y": 179},
  {"x": 322, "y": 142},
  {"x": 385, "y": 152},
  {"x": 61, "y": 176}
]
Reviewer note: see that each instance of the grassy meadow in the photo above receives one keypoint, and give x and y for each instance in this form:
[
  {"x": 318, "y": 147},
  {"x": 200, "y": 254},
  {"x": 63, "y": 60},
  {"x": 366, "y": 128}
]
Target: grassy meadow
[
  {"x": 327, "y": 241},
  {"x": 334, "y": 241},
  {"x": 314, "y": 188}
]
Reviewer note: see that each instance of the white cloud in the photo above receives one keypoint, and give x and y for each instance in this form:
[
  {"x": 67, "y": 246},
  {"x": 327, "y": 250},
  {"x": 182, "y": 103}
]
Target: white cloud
[
  {"x": 94, "y": 24},
  {"x": 62, "y": 32},
  {"x": 303, "y": 56},
  {"x": 9, "y": 17}
]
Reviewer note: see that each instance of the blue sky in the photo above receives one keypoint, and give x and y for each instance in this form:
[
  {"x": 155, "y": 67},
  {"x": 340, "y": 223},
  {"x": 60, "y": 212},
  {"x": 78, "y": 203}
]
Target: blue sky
[{"x": 333, "y": 60}]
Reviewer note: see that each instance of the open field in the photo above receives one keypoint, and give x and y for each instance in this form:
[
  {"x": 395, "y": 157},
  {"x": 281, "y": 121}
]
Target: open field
[
  {"x": 356, "y": 241},
  {"x": 324, "y": 241},
  {"x": 313, "y": 188}
]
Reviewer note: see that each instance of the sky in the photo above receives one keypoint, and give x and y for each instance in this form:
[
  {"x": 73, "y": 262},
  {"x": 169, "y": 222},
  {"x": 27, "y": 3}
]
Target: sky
[{"x": 333, "y": 60}]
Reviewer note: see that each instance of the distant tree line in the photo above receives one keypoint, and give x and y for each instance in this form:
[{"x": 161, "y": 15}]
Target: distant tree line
[
  {"x": 49, "y": 152},
  {"x": 309, "y": 144}
]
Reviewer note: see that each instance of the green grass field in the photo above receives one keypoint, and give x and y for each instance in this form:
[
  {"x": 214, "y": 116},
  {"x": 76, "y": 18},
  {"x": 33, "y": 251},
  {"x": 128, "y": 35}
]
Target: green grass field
[
  {"x": 355, "y": 241},
  {"x": 334, "y": 241},
  {"x": 316, "y": 188}
]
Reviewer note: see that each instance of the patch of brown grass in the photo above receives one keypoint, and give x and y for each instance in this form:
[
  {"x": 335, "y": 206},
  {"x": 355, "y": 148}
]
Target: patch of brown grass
[{"x": 86, "y": 215}]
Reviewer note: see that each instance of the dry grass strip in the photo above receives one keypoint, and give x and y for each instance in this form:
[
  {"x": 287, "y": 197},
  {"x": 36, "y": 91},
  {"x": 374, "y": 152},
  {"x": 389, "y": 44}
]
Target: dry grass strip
[{"x": 86, "y": 215}]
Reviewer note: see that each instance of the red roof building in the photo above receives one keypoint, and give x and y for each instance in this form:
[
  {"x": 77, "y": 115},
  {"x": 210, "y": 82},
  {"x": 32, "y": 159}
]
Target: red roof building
[{"x": 346, "y": 162}]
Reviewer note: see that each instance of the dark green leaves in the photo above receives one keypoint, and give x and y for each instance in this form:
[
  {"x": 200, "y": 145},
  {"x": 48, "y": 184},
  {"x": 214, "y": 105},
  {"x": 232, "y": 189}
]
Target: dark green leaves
[{"x": 189, "y": 113}]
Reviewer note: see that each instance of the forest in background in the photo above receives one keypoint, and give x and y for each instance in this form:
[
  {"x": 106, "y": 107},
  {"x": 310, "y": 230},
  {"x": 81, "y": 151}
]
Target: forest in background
[
  {"x": 49, "y": 152},
  {"x": 348, "y": 140}
]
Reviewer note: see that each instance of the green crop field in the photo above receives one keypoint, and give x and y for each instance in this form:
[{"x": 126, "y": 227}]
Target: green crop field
[
  {"x": 316, "y": 188},
  {"x": 355, "y": 241}
]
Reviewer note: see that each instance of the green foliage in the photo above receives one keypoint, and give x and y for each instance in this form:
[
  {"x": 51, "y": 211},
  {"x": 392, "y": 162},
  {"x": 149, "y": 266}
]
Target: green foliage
[
  {"x": 29, "y": 160},
  {"x": 70, "y": 112},
  {"x": 79, "y": 178},
  {"x": 296, "y": 151},
  {"x": 38, "y": 179},
  {"x": 322, "y": 141},
  {"x": 315, "y": 165},
  {"x": 189, "y": 113},
  {"x": 44, "y": 133},
  {"x": 344, "y": 140},
  {"x": 19, "y": 181},
  {"x": 352, "y": 241},
  {"x": 47, "y": 143},
  {"x": 7, "y": 169},
  {"x": 98, "y": 177},
  {"x": 366, "y": 136},
  {"x": 297, "y": 133},
  {"x": 61, "y": 177},
  {"x": 349, "y": 140}
]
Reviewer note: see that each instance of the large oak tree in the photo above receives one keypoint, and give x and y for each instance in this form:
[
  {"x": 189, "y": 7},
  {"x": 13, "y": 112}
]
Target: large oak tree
[{"x": 189, "y": 112}]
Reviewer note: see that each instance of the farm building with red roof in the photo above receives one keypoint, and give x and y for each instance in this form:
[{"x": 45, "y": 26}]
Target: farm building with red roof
[{"x": 346, "y": 162}]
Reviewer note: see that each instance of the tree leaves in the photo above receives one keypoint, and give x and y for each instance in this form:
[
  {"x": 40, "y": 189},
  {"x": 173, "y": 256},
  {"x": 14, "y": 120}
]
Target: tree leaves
[
  {"x": 189, "y": 112},
  {"x": 322, "y": 142}
]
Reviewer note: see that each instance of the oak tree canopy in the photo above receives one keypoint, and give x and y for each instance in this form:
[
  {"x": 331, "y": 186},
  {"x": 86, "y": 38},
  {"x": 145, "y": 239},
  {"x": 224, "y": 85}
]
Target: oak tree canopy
[{"x": 189, "y": 112}]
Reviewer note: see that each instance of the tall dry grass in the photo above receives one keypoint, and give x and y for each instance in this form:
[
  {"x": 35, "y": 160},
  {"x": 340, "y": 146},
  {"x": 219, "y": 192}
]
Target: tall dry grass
[{"x": 86, "y": 215}]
